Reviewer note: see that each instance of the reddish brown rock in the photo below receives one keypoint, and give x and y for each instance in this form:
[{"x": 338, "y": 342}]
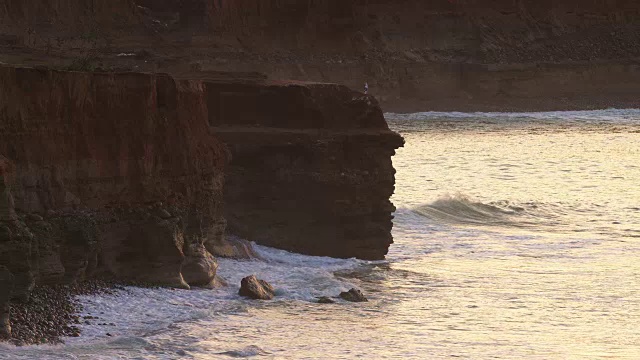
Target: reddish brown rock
[
  {"x": 122, "y": 174},
  {"x": 199, "y": 267},
  {"x": 256, "y": 289},
  {"x": 313, "y": 177},
  {"x": 97, "y": 157},
  {"x": 353, "y": 295},
  {"x": 416, "y": 55},
  {"x": 7, "y": 211},
  {"x": 129, "y": 180}
]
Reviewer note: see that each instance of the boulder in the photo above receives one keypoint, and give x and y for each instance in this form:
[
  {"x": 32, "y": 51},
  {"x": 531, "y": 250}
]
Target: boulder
[
  {"x": 199, "y": 266},
  {"x": 148, "y": 251},
  {"x": 6, "y": 284},
  {"x": 353, "y": 295},
  {"x": 254, "y": 288}
]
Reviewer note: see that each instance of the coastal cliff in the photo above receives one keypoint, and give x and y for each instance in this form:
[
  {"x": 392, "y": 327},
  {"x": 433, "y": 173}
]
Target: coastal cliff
[
  {"x": 122, "y": 175},
  {"x": 107, "y": 172},
  {"x": 136, "y": 134},
  {"x": 415, "y": 55},
  {"x": 311, "y": 167}
]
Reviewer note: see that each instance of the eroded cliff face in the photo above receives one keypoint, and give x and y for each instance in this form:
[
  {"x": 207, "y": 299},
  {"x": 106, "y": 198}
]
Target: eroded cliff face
[
  {"x": 416, "y": 55},
  {"x": 122, "y": 175},
  {"x": 107, "y": 173},
  {"x": 311, "y": 167},
  {"x": 445, "y": 30}
]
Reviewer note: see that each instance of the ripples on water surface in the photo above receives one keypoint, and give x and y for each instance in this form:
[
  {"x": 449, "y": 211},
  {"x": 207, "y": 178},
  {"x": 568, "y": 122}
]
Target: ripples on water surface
[{"x": 517, "y": 236}]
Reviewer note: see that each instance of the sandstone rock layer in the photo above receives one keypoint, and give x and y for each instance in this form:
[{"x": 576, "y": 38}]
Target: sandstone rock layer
[
  {"x": 122, "y": 174},
  {"x": 256, "y": 289},
  {"x": 313, "y": 175},
  {"x": 416, "y": 55},
  {"x": 109, "y": 173}
]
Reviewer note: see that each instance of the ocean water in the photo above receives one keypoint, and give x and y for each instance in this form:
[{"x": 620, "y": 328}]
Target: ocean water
[{"x": 516, "y": 236}]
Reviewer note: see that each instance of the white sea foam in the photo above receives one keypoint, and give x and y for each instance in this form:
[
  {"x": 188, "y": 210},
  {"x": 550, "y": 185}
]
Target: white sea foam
[
  {"x": 126, "y": 318},
  {"x": 137, "y": 311}
]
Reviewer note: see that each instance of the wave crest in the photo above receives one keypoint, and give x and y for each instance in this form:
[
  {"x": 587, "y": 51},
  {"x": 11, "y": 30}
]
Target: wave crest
[{"x": 460, "y": 209}]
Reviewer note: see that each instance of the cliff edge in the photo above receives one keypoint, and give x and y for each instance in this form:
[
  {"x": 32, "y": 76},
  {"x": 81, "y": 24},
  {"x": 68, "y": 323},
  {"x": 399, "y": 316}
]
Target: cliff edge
[
  {"x": 416, "y": 55},
  {"x": 138, "y": 177}
]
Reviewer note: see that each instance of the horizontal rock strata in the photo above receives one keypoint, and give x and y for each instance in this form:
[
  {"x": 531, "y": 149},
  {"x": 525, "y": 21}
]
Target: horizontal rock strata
[
  {"x": 416, "y": 55},
  {"x": 122, "y": 175},
  {"x": 311, "y": 167},
  {"x": 107, "y": 174}
]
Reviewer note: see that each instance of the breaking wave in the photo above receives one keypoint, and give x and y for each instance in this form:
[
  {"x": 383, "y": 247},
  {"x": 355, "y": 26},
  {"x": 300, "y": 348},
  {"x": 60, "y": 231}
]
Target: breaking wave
[{"x": 460, "y": 209}]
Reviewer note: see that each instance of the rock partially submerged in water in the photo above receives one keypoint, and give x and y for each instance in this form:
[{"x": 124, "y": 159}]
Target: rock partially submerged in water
[
  {"x": 254, "y": 288},
  {"x": 353, "y": 295},
  {"x": 325, "y": 300}
]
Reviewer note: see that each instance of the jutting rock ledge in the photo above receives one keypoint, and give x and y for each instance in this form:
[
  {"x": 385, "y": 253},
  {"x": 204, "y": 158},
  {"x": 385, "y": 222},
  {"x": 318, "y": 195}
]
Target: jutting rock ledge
[{"x": 139, "y": 176}]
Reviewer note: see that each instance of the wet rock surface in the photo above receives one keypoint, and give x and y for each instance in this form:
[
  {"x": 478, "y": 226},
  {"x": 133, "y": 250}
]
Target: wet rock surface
[
  {"x": 325, "y": 300},
  {"x": 256, "y": 289},
  {"x": 315, "y": 177},
  {"x": 76, "y": 206},
  {"x": 353, "y": 295},
  {"x": 199, "y": 267}
]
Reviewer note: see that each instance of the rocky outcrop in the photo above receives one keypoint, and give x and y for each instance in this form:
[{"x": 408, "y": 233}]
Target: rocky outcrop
[
  {"x": 312, "y": 175},
  {"x": 256, "y": 289},
  {"x": 109, "y": 173},
  {"x": 353, "y": 295},
  {"x": 122, "y": 175},
  {"x": 451, "y": 55},
  {"x": 232, "y": 247}
]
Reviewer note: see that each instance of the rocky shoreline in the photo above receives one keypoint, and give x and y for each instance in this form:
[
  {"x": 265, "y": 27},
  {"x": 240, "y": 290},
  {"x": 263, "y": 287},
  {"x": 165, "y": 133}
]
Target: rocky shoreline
[
  {"x": 140, "y": 178},
  {"x": 51, "y": 312}
]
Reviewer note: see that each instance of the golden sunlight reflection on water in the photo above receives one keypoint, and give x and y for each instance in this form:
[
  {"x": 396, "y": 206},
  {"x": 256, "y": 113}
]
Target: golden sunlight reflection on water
[
  {"x": 513, "y": 240},
  {"x": 553, "y": 271}
]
